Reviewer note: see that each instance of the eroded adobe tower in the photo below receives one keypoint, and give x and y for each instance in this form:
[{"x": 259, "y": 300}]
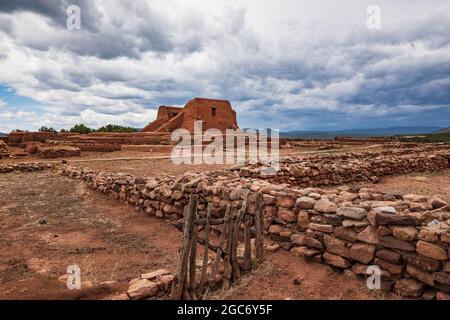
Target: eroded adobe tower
[{"x": 213, "y": 112}]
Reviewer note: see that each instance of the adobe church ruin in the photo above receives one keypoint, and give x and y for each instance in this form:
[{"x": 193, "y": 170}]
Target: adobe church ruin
[{"x": 213, "y": 112}]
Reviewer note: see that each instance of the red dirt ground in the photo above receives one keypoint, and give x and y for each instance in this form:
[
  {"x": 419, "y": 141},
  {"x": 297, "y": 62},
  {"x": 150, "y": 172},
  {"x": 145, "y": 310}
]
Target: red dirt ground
[{"x": 50, "y": 222}]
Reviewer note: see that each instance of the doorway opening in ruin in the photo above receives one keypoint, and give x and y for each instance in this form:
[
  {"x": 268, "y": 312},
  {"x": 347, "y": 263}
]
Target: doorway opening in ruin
[{"x": 213, "y": 111}]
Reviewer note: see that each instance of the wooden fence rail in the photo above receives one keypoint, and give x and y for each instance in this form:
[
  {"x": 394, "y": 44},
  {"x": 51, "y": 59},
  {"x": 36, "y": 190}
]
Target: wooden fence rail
[{"x": 237, "y": 226}]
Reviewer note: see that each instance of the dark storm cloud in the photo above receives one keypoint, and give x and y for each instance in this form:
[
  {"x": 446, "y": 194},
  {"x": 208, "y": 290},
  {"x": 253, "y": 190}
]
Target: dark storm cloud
[
  {"x": 129, "y": 57},
  {"x": 55, "y": 10}
]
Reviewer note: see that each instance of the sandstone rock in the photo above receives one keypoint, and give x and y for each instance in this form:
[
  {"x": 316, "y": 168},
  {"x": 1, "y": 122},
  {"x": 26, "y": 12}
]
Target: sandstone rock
[
  {"x": 421, "y": 262},
  {"x": 352, "y": 213},
  {"x": 371, "y": 217},
  {"x": 386, "y": 209},
  {"x": 286, "y": 202},
  {"x": 446, "y": 266},
  {"x": 414, "y": 198},
  {"x": 442, "y": 278},
  {"x": 418, "y": 207},
  {"x": 336, "y": 261},
  {"x": 390, "y": 219},
  {"x": 348, "y": 196},
  {"x": 286, "y": 233},
  {"x": 314, "y": 195},
  {"x": 392, "y": 268},
  {"x": 384, "y": 231},
  {"x": 286, "y": 215},
  {"x": 305, "y": 203},
  {"x": 368, "y": 235},
  {"x": 423, "y": 276},
  {"x": 442, "y": 296},
  {"x": 314, "y": 243},
  {"x": 445, "y": 237},
  {"x": 273, "y": 247},
  {"x": 345, "y": 234},
  {"x": 409, "y": 288},
  {"x": 143, "y": 289},
  {"x": 389, "y": 256},
  {"x": 362, "y": 252},
  {"x": 429, "y": 294},
  {"x": 437, "y": 202},
  {"x": 154, "y": 274},
  {"x": 354, "y": 223},
  {"x": 321, "y": 227},
  {"x": 428, "y": 234},
  {"x": 275, "y": 229},
  {"x": 326, "y": 206},
  {"x": 336, "y": 246},
  {"x": 63, "y": 278},
  {"x": 268, "y": 199},
  {"x": 405, "y": 233},
  {"x": 332, "y": 219},
  {"x": 304, "y": 251},
  {"x": 298, "y": 239},
  {"x": 394, "y": 243},
  {"x": 431, "y": 250},
  {"x": 303, "y": 218}
]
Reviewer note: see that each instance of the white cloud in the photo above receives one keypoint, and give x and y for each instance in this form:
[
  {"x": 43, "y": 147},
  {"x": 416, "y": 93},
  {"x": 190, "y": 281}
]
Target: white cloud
[{"x": 276, "y": 61}]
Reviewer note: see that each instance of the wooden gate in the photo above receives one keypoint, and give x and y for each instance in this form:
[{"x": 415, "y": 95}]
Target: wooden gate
[{"x": 237, "y": 226}]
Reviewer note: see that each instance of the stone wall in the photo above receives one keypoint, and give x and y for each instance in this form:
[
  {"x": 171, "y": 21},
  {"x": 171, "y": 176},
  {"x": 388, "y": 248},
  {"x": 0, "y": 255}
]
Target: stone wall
[
  {"x": 57, "y": 151},
  {"x": 346, "y": 168},
  {"x": 24, "y": 167},
  {"x": 407, "y": 236},
  {"x": 350, "y": 228}
]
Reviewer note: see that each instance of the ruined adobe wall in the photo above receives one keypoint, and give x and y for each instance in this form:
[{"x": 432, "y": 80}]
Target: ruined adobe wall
[
  {"x": 347, "y": 168},
  {"x": 201, "y": 109},
  {"x": 407, "y": 236}
]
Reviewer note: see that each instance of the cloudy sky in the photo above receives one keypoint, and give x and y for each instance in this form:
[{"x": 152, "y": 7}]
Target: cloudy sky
[{"x": 286, "y": 64}]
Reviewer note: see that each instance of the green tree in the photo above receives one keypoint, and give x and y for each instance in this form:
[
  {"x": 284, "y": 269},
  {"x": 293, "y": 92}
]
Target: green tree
[
  {"x": 116, "y": 128},
  {"x": 81, "y": 128},
  {"x": 46, "y": 129}
]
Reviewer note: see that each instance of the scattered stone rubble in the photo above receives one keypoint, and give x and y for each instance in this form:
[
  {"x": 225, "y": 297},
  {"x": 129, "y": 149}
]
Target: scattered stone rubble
[
  {"x": 4, "y": 153},
  {"x": 350, "y": 228},
  {"x": 24, "y": 167},
  {"x": 152, "y": 285}
]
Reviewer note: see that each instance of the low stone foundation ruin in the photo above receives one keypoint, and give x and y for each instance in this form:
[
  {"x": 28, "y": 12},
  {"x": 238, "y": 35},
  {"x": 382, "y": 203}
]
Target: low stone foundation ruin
[
  {"x": 50, "y": 152},
  {"x": 24, "y": 167},
  {"x": 407, "y": 236},
  {"x": 337, "y": 169}
]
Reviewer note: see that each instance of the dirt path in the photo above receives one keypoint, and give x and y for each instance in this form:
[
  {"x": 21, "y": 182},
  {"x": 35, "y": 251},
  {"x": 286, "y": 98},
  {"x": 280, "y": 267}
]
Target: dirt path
[
  {"x": 50, "y": 222},
  {"x": 284, "y": 276},
  {"x": 429, "y": 184}
]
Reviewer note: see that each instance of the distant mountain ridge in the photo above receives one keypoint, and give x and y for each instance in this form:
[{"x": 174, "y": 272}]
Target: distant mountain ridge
[
  {"x": 445, "y": 130},
  {"x": 390, "y": 131},
  {"x": 3, "y": 134}
]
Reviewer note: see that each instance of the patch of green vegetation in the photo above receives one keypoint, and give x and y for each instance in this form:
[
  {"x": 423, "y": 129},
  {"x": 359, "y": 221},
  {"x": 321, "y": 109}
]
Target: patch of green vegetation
[
  {"x": 83, "y": 129},
  {"x": 427, "y": 138},
  {"x": 116, "y": 128},
  {"x": 46, "y": 129}
]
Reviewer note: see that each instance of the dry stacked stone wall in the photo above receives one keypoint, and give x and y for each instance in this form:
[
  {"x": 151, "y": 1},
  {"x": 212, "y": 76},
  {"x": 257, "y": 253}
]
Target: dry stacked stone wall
[
  {"x": 350, "y": 228},
  {"x": 346, "y": 168},
  {"x": 24, "y": 167}
]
